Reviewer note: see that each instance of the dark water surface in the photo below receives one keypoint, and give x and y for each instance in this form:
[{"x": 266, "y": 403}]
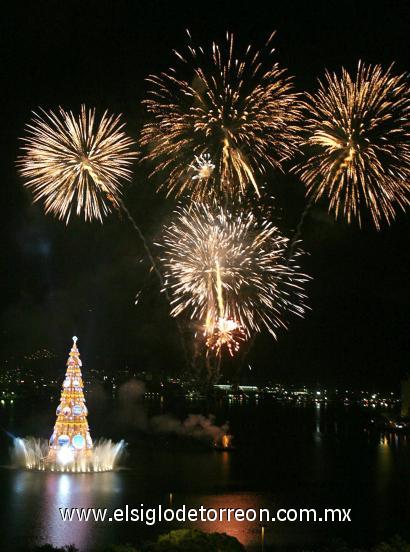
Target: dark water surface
[{"x": 287, "y": 456}]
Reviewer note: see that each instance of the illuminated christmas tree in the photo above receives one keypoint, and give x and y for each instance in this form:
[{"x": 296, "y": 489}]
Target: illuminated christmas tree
[{"x": 71, "y": 441}]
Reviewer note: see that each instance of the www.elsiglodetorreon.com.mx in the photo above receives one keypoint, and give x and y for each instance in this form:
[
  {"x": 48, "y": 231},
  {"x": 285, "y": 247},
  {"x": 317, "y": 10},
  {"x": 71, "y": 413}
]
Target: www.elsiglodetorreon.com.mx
[{"x": 160, "y": 514}]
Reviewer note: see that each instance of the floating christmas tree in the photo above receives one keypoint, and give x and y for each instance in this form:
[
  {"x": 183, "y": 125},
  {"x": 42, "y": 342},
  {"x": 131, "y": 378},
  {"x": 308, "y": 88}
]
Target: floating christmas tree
[
  {"x": 70, "y": 448},
  {"x": 71, "y": 441}
]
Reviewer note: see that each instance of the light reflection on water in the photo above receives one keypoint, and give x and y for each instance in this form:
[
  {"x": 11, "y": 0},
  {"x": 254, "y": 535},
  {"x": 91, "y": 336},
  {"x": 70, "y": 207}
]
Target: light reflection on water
[
  {"x": 305, "y": 461},
  {"x": 246, "y": 532},
  {"x": 45, "y": 493},
  {"x": 37, "y": 496}
]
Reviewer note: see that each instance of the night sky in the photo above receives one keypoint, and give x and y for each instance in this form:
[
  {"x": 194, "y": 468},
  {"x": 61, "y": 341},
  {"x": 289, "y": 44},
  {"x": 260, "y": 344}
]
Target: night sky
[{"x": 83, "y": 279}]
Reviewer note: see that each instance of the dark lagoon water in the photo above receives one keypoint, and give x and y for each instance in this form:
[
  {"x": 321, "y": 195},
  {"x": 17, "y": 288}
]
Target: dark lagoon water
[{"x": 287, "y": 456}]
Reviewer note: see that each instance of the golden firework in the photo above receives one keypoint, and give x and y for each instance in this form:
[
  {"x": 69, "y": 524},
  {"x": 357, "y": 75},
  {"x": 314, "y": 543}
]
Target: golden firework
[
  {"x": 76, "y": 164},
  {"x": 222, "y": 125},
  {"x": 230, "y": 273},
  {"x": 357, "y": 147}
]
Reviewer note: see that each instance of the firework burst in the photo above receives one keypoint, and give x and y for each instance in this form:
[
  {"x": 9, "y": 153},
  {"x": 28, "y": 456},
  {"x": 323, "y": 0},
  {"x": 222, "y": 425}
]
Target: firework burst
[
  {"x": 202, "y": 167},
  {"x": 225, "y": 333},
  {"x": 76, "y": 164},
  {"x": 229, "y": 272},
  {"x": 357, "y": 147},
  {"x": 227, "y": 122}
]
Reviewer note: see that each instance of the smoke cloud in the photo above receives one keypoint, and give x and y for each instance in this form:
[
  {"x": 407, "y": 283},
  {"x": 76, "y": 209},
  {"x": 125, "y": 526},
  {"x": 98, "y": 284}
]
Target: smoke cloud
[
  {"x": 133, "y": 414},
  {"x": 195, "y": 425}
]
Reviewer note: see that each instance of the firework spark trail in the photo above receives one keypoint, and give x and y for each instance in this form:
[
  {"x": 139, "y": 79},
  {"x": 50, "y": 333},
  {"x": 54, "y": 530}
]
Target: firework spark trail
[
  {"x": 217, "y": 130},
  {"x": 156, "y": 269},
  {"x": 357, "y": 143},
  {"x": 230, "y": 273},
  {"x": 76, "y": 164}
]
